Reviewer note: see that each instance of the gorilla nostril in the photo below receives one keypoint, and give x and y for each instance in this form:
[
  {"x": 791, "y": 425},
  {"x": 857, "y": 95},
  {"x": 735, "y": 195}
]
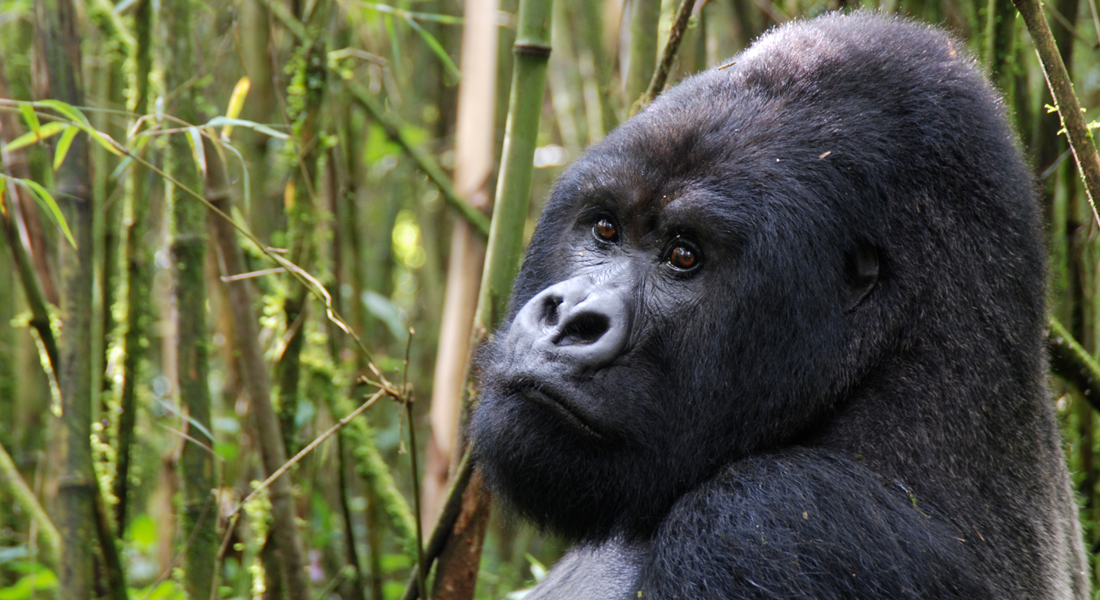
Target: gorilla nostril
[
  {"x": 584, "y": 328},
  {"x": 550, "y": 312}
]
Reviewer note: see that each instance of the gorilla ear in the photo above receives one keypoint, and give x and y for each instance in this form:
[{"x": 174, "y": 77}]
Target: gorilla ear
[{"x": 860, "y": 272}]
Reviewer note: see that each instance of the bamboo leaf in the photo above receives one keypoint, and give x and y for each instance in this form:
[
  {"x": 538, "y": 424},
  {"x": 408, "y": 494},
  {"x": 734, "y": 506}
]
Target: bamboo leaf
[
  {"x": 32, "y": 137},
  {"x": 30, "y": 117},
  {"x": 104, "y": 140},
  {"x": 46, "y": 201},
  {"x": 197, "y": 151},
  {"x": 67, "y": 110},
  {"x": 236, "y": 103},
  {"x": 227, "y": 122},
  {"x": 437, "y": 48},
  {"x": 63, "y": 145}
]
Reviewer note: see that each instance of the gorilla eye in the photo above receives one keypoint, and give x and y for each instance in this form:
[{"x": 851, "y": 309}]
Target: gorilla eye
[
  {"x": 683, "y": 257},
  {"x": 605, "y": 231}
]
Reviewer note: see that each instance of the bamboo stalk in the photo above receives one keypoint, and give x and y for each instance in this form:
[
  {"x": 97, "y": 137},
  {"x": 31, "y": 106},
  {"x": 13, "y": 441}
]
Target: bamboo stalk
[
  {"x": 139, "y": 275},
  {"x": 59, "y": 43},
  {"x": 284, "y": 531},
  {"x": 459, "y": 558},
  {"x": 1048, "y": 143},
  {"x": 306, "y": 96},
  {"x": 188, "y": 250},
  {"x": 474, "y": 140},
  {"x": 13, "y": 225}
]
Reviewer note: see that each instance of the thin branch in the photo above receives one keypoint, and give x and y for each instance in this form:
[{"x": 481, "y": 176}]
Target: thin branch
[
  {"x": 668, "y": 56},
  {"x": 424, "y": 161},
  {"x": 447, "y": 517},
  {"x": 309, "y": 448},
  {"x": 1065, "y": 100},
  {"x": 14, "y": 486},
  {"x": 1070, "y": 361}
]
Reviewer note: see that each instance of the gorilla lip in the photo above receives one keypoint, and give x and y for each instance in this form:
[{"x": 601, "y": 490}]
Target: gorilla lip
[{"x": 546, "y": 397}]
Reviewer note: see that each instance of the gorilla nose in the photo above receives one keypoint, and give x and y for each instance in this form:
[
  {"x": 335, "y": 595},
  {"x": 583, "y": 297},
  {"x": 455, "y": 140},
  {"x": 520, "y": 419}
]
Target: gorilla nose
[{"x": 580, "y": 321}]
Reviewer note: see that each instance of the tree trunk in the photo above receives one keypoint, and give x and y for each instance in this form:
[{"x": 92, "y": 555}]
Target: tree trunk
[
  {"x": 198, "y": 518},
  {"x": 60, "y": 44}
]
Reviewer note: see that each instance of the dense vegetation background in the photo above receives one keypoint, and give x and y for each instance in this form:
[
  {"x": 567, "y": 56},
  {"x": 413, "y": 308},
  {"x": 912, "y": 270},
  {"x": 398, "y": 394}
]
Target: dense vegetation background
[{"x": 242, "y": 231}]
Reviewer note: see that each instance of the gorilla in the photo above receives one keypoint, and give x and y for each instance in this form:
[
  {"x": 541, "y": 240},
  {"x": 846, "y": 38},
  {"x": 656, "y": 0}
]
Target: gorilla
[{"x": 780, "y": 335}]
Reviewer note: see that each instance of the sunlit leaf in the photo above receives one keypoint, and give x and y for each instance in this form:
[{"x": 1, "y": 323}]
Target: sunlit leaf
[
  {"x": 46, "y": 201},
  {"x": 3, "y": 205},
  {"x": 104, "y": 140},
  {"x": 63, "y": 146},
  {"x": 236, "y": 103},
  {"x": 30, "y": 117},
  {"x": 197, "y": 151},
  {"x": 65, "y": 109},
  {"x": 27, "y": 139}
]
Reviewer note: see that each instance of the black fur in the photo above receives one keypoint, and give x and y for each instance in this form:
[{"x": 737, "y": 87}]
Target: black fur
[{"x": 846, "y": 397}]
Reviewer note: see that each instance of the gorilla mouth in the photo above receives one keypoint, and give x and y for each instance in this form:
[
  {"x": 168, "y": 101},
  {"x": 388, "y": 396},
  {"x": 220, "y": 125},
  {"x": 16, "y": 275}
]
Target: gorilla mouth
[{"x": 549, "y": 398}]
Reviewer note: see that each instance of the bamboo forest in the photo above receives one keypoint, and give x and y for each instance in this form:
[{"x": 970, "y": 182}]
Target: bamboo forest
[{"x": 250, "y": 247}]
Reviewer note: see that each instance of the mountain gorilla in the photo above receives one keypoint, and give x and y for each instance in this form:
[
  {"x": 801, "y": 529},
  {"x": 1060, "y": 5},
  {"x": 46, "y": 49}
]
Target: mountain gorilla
[{"x": 781, "y": 336}]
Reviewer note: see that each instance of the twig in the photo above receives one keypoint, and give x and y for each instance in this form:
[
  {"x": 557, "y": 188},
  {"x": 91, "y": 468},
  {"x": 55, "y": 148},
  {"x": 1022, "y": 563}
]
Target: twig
[
  {"x": 668, "y": 55},
  {"x": 422, "y": 159},
  {"x": 309, "y": 448},
  {"x": 1070, "y": 361},
  {"x": 1065, "y": 100},
  {"x": 443, "y": 526},
  {"x": 17, "y": 489},
  {"x": 421, "y": 572}
]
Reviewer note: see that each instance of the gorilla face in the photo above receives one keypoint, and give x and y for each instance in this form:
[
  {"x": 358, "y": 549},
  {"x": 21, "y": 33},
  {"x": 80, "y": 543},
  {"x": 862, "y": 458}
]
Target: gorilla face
[{"x": 641, "y": 353}]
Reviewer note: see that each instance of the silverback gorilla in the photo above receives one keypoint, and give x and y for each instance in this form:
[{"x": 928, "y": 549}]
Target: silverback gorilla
[{"x": 781, "y": 336}]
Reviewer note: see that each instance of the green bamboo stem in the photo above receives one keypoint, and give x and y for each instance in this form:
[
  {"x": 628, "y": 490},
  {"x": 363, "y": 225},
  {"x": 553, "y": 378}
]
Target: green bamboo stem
[
  {"x": 11, "y": 482},
  {"x": 265, "y": 423},
  {"x": 139, "y": 275},
  {"x": 642, "y": 50},
  {"x": 28, "y": 278},
  {"x": 14, "y": 225},
  {"x": 306, "y": 97},
  {"x": 505, "y": 247},
  {"x": 1070, "y": 361},
  {"x": 188, "y": 250},
  {"x": 503, "y": 254},
  {"x": 60, "y": 45}
]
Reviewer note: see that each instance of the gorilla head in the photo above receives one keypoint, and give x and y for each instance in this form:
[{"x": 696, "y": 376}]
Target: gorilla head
[{"x": 830, "y": 243}]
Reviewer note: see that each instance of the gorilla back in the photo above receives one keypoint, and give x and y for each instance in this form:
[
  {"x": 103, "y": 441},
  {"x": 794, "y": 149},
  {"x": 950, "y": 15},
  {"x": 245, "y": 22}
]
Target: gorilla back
[{"x": 781, "y": 335}]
